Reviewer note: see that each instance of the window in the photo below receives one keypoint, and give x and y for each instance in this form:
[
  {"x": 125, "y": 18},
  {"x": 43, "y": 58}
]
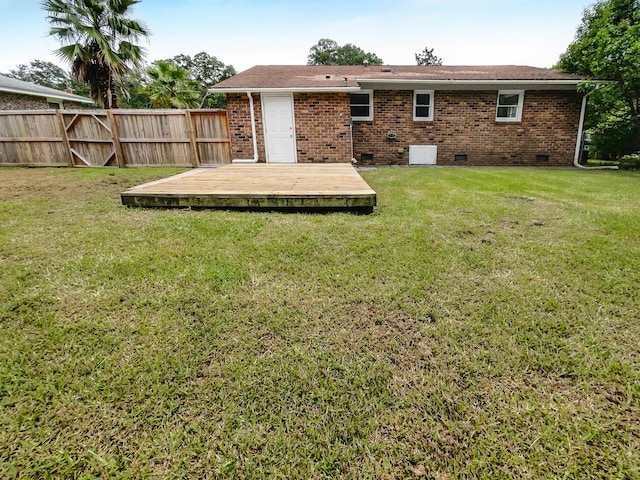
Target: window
[
  {"x": 362, "y": 105},
  {"x": 509, "y": 105},
  {"x": 423, "y": 105},
  {"x": 54, "y": 103}
]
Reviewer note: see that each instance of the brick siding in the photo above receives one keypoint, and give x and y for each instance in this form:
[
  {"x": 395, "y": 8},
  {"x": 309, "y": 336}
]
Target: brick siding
[
  {"x": 12, "y": 101},
  {"x": 464, "y": 124},
  {"x": 322, "y": 127}
]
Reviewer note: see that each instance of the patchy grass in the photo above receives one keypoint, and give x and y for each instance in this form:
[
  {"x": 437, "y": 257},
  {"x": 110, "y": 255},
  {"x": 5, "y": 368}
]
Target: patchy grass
[{"x": 481, "y": 323}]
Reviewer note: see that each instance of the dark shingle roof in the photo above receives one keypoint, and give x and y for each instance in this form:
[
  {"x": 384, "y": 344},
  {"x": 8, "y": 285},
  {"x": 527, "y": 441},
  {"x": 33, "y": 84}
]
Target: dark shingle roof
[
  {"x": 13, "y": 85},
  {"x": 336, "y": 76}
]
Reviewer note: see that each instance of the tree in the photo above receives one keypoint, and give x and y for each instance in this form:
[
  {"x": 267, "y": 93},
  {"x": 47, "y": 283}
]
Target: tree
[
  {"x": 171, "y": 86},
  {"x": 49, "y": 75},
  {"x": 328, "y": 52},
  {"x": 607, "y": 47},
  {"x": 131, "y": 85},
  {"x": 427, "y": 57},
  {"x": 207, "y": 70},
  {"x": 42, "y": 73},
  {"x": 98, "y": 38}
]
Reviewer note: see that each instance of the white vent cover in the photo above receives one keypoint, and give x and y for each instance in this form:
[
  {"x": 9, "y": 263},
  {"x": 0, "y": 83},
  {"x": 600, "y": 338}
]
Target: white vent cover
[{"x": 423, "y": 154}]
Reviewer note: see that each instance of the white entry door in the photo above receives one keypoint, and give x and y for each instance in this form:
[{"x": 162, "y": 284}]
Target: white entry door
[{"x": 279, "y": 133}]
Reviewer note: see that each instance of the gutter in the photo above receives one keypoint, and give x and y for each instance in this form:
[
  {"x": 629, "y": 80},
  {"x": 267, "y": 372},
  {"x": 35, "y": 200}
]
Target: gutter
[
  {"x": 576, "y": 156},
  {"x": 57, "y": 96},
  {"x": 287, "y": 89},
  {"x": 468, "y": 82},
  {"x": 253, "y": 133}
]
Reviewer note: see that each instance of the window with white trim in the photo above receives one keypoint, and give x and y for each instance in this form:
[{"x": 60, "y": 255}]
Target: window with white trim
[
  {"x": 423, "y": 105},
  {"x": 54, "y": 103},
  {"x": 509, "y": 107},
  {"x": 362, "y": 105}
]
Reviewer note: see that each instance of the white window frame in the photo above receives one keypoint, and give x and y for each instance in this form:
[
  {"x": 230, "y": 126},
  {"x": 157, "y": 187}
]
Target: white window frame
[
  {"x": 55, "y": 101},
  {"x": 370, "y": 116},
  {"x": 415, "y": 105},
  {"x": 518, "y": 116}
]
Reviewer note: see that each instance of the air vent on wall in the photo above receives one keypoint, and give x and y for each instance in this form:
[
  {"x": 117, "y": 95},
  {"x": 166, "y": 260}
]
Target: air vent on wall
[
  {"x": 460, "y": 157},
  {"x": 542, "y": 158}
]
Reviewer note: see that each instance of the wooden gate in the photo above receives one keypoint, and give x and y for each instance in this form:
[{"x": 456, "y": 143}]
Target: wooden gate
[{"x": 90, "y": 139}]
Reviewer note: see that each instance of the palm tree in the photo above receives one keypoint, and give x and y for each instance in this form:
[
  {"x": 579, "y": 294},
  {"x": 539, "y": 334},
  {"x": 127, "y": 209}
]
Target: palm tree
[
  {"x": 171, "y": 86},
  {"x": 97, "y": 38}
]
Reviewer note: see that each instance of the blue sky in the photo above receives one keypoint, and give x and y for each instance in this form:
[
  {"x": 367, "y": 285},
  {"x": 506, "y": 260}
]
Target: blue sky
[{"x": 244, "y": 33}]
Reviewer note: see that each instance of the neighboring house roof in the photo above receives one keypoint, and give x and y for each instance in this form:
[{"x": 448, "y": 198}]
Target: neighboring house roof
[
  {"x": 20, "y": 87},
  {"x": 352, "y": 78}
]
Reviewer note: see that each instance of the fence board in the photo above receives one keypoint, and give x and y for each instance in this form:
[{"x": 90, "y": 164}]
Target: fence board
[{"x": 115, "y": 138}]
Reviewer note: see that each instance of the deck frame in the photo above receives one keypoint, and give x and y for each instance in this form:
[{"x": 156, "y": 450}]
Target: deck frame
[{"x": 259, "y": 186}]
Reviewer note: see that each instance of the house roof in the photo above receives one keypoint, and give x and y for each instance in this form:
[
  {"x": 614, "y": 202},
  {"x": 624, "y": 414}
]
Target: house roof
[
  {"x": 13, "y": 85},
  {"x": 353, "y": 78}
]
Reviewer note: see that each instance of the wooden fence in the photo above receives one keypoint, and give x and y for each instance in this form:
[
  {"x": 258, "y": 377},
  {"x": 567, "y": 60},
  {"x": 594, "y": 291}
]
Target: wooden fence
[{"x": 114, "y": 138}]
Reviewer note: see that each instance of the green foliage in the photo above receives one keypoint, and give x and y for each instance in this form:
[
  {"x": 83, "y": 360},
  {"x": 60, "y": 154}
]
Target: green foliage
[
  {"x": 630, "y": 162},
  {"x": 328, "y": 52},
  {"x": 49, "y": 75},
  {"x": 612, "y": 137},
  {"x": 42, "y": 73},
  {"x": 207, "y": 70},
  {"x": 427, "y": 57},
  {"x": 131, "y": 85},
  {"x": 171, "y": 86},
  {"x": 97, "y": 39},
  {"x": 607, "y": 47}
]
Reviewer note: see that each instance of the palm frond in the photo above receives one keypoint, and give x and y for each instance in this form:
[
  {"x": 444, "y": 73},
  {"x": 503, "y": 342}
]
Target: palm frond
[{"x": 97, "y": 38}]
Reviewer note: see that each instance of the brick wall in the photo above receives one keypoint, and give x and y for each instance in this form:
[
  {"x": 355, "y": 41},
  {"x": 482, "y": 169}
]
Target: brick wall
[
  {"x": 464, "y": 124},
  {"x": 322, "y": 127},
  {"x": 12, "y": 101},
  {"x": 240, "y": 125}
]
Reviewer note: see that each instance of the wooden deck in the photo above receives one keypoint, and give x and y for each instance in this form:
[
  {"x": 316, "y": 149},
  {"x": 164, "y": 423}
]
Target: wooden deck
[{"x": 302, "y": 186}]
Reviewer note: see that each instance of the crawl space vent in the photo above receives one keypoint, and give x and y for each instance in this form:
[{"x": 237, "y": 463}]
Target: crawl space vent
[{"x": 423, "y": 154}]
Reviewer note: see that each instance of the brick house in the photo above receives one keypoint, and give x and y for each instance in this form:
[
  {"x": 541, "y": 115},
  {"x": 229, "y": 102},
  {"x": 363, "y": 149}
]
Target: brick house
[
  {"x": 405, "y": 115},
  {"x": 19, "y": 95}
]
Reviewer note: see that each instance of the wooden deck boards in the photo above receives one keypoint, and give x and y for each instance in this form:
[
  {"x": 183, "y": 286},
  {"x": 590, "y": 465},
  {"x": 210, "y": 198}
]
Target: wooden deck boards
[{"x": 269, "y": 186}]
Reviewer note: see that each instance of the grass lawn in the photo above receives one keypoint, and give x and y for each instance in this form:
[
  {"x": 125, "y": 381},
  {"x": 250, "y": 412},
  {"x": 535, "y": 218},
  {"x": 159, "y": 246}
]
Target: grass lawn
[{"x": 481, "y": 323}]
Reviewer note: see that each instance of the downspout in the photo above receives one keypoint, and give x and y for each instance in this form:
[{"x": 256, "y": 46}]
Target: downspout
[
  {"x": 353, "y": 158},
  {"x": 253, "y": 133},
  {"x": 576, "y": 156}
]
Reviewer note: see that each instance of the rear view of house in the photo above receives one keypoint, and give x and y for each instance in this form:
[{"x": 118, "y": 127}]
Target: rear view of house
[{"x": 404, "y": 115}]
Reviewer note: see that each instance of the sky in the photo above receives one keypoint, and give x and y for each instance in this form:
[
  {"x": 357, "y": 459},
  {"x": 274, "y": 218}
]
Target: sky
[{"x": 244, "y": 33}]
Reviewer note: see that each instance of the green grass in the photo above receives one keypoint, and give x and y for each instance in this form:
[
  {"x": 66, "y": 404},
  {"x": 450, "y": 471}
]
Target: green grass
[{"x": 481, "y": 323}]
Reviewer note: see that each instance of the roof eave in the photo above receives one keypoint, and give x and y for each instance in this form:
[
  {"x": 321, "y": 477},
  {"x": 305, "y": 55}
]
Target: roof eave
[
  {"x": 285, "y": 89},
  {"x": 69, "y": 98},
  {"x": 468, "y": 82},
  {"x": 471, "y": 85}
]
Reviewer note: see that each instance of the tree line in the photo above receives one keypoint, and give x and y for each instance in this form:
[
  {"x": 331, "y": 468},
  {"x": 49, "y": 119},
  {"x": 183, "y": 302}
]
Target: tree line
[{"x": 100, "y": 42}]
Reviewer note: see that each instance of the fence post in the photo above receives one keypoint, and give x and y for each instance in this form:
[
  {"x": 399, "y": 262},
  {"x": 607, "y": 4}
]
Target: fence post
[
  {"x": 65, "y": 138},
  {"x": 228, "y": 127},
  {"x": 195, "y": 159},
  {"x": 115, "y": 136}
]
